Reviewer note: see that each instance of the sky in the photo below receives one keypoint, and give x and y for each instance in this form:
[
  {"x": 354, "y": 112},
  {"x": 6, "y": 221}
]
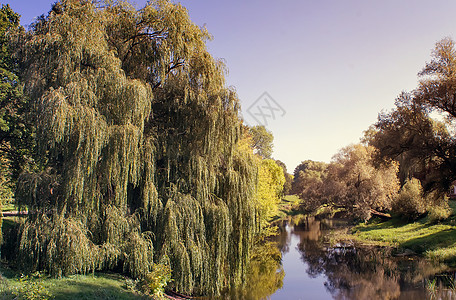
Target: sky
[{"x": 316, "y": 73}]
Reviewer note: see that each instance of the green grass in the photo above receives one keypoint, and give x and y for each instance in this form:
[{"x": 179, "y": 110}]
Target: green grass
[
  {"x": 14, "y": 285},
  {"x": 9, "y": 207},
  {"x": 82, "y": 287},
  {"x": 433, "y": 240},
  {"x": 286, "y": 207},
  {"x": 290, "y": 200}
]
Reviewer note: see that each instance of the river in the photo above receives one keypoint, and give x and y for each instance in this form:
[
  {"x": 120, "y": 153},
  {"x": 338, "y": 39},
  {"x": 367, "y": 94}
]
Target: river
[{"x": 313, "y": 270}]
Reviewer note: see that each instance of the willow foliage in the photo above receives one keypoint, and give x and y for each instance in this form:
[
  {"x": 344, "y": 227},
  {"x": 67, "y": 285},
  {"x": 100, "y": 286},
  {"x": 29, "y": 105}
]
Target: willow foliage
[{"x": 138, "y": 137}]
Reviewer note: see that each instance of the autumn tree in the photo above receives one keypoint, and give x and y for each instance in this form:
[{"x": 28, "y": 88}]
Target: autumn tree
[
  {"x": 411, "y": 201},
  {"x": 356, "y": 182},
  {"x": 437, "y": 86},
  {"x": 140, "y": 143},
  {"x": 423, "y": 145}
]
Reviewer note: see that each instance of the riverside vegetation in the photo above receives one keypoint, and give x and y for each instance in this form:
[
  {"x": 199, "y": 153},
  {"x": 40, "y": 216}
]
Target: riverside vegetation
[{"x": 402, "y": 171}]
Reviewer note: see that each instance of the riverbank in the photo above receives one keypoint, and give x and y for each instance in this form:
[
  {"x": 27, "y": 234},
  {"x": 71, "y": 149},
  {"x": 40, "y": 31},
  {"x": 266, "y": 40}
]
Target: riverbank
[
  {"x": 38, "y": 285},
  {"x": 425, "y": 237},
  {"x": 14, "y": 285}
]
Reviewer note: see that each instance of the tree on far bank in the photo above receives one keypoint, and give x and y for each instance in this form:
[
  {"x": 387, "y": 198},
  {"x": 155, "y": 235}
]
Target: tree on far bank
[
  {"x": 307, "y": 169},
  {"x": 308, "y": 180},
  {"x": 357, "y": 183},
  {"x": 424, "y": 147}
]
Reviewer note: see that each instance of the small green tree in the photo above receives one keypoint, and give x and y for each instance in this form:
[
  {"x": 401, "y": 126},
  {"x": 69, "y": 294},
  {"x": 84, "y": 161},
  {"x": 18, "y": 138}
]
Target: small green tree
[
  {"x": 262, "y": 141},
  {"x": 305, "y": 172},
  {"x": 270, "y": 188},
  {"x": 288, "y": 178}
]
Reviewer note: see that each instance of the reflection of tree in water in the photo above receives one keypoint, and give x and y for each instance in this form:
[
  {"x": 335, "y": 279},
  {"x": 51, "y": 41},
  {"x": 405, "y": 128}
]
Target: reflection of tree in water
[
  {"x": 264, "y": 274},
  {"x": 364, "y": 273},
  {"x": 283, "y": 239}
]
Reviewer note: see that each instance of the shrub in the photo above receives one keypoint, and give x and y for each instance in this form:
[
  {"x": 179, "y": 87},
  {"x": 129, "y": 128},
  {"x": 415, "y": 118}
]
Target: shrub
[
  {"x": 410, "y": 202},
  {"x": 439, "y": 212},
  {"x": 31, "y": 288},
  {"x": 155, "y": 282}
]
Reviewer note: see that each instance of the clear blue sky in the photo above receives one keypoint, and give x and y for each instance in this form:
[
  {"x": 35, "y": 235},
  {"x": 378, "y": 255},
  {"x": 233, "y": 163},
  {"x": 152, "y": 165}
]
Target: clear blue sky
[{"x": 331, "y": 65}]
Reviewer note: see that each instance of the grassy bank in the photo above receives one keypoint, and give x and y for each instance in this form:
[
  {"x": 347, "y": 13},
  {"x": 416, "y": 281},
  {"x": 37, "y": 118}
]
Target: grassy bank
[
  {"x": 431, "y": 239},
  {"x": 14, "y": 285},
  {"x": 291, "y": 206},
  {"x": 87, "y": 287},
  {"x": 287, "y": 207}
]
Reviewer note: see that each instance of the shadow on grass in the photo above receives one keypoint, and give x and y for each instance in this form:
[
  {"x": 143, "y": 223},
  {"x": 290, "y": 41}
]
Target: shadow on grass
[
  {"x": 441, "y": 239},
  {"x": 390, "y": 224},
  {"x": 87, "y": 287},
  {"x": 85, "y": 290}
]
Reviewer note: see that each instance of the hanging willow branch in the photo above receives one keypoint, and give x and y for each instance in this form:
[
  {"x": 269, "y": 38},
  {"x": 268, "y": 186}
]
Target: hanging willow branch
[{"x": 132, "y": 174}]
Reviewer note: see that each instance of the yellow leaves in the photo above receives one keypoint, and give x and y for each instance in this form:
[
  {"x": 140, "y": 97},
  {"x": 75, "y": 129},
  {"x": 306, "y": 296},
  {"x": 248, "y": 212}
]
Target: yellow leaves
[
  {"x": 359, "y": 182},
  {"x": 270, "y": 186}
]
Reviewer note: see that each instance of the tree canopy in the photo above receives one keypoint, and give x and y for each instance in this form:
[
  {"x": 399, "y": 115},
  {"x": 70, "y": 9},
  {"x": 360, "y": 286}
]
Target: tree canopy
[
  {"x": 352, "y": 180},
  {"x": 288, "y": 178},
  {"x": 410, "y": 134},
  {"x": 262, "y": 141},
  {"x": 355, "y": 181},
  {"x": 140, "y": 144},
  {"x": 15, "y": 132},
  {"x": 270, "y": 187}
]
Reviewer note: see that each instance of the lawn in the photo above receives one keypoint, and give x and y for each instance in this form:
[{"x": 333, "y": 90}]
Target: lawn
[
  {"x": 83, "y": 287},
  {"x": 286, "y": 207},
  {"x": 435, "y": 240},
  {"x": 14, "y": 285}
]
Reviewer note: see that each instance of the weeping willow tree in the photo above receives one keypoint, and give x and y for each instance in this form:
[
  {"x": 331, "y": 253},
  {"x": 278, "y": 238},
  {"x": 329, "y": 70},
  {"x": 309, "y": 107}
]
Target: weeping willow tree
[{"x": 138, "y": 140}]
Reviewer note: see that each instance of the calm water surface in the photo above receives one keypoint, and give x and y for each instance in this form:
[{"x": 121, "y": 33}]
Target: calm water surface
[{"x": 315, "y": 271}]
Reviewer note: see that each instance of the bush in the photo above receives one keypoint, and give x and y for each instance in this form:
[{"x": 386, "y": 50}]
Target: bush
[
  {"x": 410, "y": 202},
  {"x": 31, "y": 288},
  {"x": 155, "y": 282},
  {"x": 439, "y": 212}
]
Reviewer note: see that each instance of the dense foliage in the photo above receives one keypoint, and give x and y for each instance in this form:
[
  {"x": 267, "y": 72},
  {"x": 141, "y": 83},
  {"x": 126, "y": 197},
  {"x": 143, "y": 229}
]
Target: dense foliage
[
  {"x": 356, "y": 182},
  {"x": 262, "y": 140},
  {"x": 270, "y": 188},
  {"x": 138, "y": 140},
  {"x": 410, "y": 202},
  {"x": 410, "y": 134},
  {"x": 15, "y": 132},
  {"x": 287, "y": 186},
  {"x": 352, "y": 181},
  {"x": 308, "y": 183}
]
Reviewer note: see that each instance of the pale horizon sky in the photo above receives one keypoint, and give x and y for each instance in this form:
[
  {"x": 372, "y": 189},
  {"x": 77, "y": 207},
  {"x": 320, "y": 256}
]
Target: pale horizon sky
[{"x": 331, "y": 65}]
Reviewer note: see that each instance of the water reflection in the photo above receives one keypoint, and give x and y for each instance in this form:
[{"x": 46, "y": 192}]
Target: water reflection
[{"x": 315, "y": 271}]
